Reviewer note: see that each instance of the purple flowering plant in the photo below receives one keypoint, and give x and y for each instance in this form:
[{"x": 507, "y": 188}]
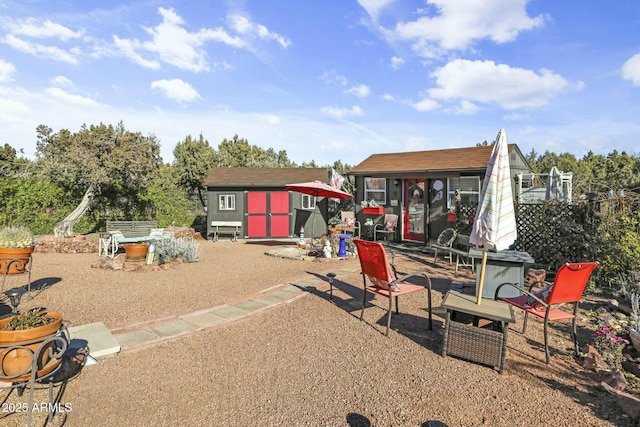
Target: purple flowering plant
[{"x": 610, "y": 345}]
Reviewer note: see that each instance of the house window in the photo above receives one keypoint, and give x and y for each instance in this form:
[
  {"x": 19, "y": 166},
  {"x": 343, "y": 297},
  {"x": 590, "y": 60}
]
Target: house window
[
  {"x": 467, "y": 186},
  {"x": 375, "y": 189},
  {"x": 308, "y": 202},
  {"x": 227, "y": 202}
]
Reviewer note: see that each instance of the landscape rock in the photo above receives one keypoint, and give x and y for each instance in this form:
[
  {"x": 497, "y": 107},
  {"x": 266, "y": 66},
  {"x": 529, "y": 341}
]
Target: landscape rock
[{"x": 629, "y": 404}]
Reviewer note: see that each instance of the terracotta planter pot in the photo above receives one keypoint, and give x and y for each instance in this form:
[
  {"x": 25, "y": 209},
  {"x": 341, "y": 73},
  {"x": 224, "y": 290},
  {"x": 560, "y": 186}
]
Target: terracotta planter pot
[
  {"x": 136, "y": 251},
  {"x": 16, "y": 363},
  {"x": 16, "y": 258}
]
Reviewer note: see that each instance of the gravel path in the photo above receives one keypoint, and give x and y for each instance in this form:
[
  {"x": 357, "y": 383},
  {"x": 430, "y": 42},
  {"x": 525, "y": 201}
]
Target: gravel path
[{"x": 310, "y": 362}]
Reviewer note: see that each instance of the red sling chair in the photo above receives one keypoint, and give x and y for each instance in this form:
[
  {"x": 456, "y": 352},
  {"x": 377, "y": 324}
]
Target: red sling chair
[
  {"x": 382, "y": 278},
  {"x": 567, "y": 288}
]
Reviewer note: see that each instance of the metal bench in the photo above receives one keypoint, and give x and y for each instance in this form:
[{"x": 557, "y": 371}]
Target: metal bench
[
  {"x": 455, "y": 245},
  {"x": 131, "y": 232},
  {"x": 132, "y": 229},
  {"x": 226, "y": 227}
]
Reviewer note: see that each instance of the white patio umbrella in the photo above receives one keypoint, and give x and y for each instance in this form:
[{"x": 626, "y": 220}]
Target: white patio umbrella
[
  {"x": 495, "y": 221},
  {"x": 554, "y": 183}
]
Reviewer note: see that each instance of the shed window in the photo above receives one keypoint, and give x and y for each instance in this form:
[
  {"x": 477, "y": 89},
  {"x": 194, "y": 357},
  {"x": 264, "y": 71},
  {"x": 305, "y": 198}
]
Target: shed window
[
  {"x": 308, "y": 202},
  {"x": 227, "y": 202},
  {"x": 468, "y": 187},
  {"x": 375, "y": 189}
]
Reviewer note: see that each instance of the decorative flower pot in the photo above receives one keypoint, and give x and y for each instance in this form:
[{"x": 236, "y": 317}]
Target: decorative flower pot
[
  {"x": 16, "y": 259},
  {"x": 136, "y": 251},
  {"x": 15, "y": 363},
  {"x": 378, "y": 210},
  {"x": 634, "y": 335}
]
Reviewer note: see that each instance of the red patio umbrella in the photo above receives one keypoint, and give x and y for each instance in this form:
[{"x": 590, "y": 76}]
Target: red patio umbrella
[{"x": 318, "y": 189}]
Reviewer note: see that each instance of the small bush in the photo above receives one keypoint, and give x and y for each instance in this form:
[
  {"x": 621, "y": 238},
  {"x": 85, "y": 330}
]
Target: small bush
[{"x": 185, "y": 248}]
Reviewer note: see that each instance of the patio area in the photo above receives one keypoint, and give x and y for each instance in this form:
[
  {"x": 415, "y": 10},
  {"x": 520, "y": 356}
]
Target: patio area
[{"x": 300, "y": 358}]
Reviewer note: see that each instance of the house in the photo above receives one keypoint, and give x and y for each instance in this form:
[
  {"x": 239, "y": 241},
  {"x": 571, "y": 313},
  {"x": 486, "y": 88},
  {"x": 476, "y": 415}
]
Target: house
[
  {"x": 255, "y": 200},
  {"x": 423, "y": 187}
]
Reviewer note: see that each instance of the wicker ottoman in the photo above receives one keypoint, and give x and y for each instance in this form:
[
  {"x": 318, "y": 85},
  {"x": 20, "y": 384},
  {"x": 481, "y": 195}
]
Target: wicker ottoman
[{"x": 473, "y": 343}]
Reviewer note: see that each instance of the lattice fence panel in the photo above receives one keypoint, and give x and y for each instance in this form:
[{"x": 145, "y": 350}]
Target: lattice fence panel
[{"x": 552, "y": 233}]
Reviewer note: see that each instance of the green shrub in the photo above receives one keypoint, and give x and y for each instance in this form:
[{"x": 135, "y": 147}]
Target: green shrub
[{"x": 185, "y": 248}]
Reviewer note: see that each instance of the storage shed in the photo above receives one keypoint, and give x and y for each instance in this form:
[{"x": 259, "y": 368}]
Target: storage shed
[{"x": 254, "y": 202}]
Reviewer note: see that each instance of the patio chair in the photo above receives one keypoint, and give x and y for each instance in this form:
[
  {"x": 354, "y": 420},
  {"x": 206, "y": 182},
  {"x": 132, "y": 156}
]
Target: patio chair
[
  {"x": 383, "y": 280},
  {"x": 567, "y": 288},
  {"x": 349, "y": 223},
  {"x": 387, "y": 228},
  {"x": 444, "y": 243}
]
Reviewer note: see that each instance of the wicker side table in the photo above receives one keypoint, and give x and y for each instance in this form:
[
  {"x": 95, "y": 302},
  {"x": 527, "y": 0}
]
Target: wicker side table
[{"x": 470, "y": 342}]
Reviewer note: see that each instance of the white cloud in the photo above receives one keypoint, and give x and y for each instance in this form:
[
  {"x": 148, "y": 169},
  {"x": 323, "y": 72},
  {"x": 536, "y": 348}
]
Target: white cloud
[
  {"x": 15, "y": 112},
  {"x": 631, "y": 69},
  {"x": 176, "y": 89},
  {"x": 128, "y": 48},
  {"x": 373, "y": 7},
  {"x": 172, "y": 44},
  {"x": 331, "y": 77},
  {"x": 459, "y": 23},
  {"x": 47, "y": 29},
  {"x": 61, "y": 81},
  {"x": 13, "y": 107},
  {"x": 36, "y": 49},
  {"x": 514, "y": 117},
  {"x": 488, "y": 82},
  {"x": 70, "y": 99},
  {"x": 270, "y": 119},
  {"x": 340, "y": 113},
  {"x": 387, "y": 97},
  {"x": 396, "y": 62},
  {"x": 361, "y": 91},
  {"x": 426, "y": 105},
  {"x": 6, "y": 71},
  {"x": 244, "y": 26},
  {"x": 466, "y": 108}
]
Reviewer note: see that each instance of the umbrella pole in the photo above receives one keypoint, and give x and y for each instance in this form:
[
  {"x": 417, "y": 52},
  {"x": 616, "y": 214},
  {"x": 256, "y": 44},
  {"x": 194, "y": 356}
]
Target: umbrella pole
[
  {"x": 483, "y": 267},
  {"x": 313, "y": 217}
]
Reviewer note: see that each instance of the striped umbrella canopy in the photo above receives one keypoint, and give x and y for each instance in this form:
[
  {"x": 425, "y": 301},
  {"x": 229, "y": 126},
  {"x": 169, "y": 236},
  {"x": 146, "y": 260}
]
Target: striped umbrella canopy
[{"x": 495, "y": 221}]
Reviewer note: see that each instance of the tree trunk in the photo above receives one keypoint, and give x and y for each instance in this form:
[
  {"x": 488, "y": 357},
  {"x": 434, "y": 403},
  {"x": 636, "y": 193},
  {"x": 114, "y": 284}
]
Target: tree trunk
[{"x": 65, "y": 227}]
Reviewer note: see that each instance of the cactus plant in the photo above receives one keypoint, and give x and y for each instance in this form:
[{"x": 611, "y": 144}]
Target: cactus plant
[
  {"x": 28, "y": 320},
  {"x": 16, "y": 236}
]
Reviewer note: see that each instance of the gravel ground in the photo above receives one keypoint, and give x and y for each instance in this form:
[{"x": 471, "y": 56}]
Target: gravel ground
[{"x": 310, "y": 362}]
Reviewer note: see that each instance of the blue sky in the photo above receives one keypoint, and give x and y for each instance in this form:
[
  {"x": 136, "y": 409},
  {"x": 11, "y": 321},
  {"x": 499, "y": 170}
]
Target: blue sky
[{"x": 326, "y": 81}]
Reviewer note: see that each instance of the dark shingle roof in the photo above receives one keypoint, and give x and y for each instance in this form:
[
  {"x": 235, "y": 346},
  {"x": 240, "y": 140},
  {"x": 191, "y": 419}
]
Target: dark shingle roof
[
  {"x": 471, "y": 158},
  {"x": 263, "y": 177}
]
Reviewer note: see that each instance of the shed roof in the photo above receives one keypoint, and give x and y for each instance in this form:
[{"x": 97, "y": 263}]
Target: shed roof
[
  {"x": 458, "y": 159},
  {"x": 263, "y": 177}
]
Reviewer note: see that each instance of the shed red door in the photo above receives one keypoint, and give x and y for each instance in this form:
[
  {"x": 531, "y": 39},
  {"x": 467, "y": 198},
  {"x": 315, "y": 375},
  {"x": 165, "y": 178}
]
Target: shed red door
[
  {"x": 268, "y": 214},
  {"x": 257, "y": 214},
  {"x": 279, "y": 213}
]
